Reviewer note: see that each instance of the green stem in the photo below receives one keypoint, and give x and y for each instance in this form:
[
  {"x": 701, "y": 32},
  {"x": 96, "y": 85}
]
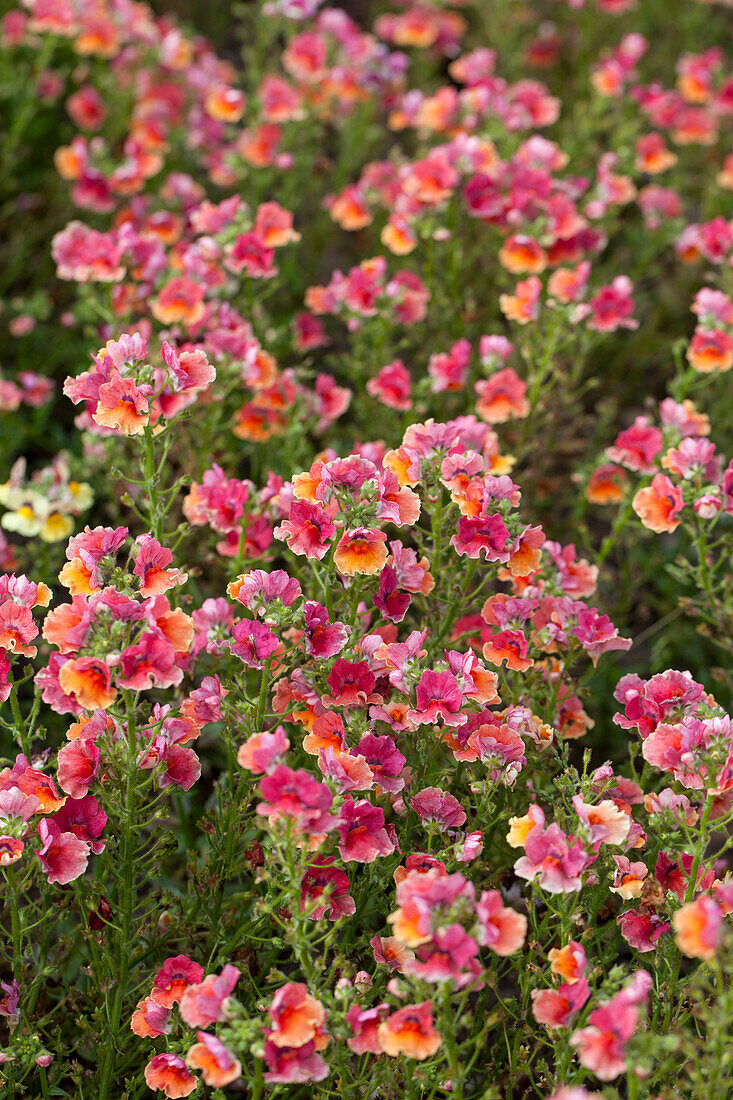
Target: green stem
[{"x": 126, "y": 899}]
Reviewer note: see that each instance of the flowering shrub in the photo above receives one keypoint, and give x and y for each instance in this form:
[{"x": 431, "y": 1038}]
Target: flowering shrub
[{"x": 364, "y": 552}]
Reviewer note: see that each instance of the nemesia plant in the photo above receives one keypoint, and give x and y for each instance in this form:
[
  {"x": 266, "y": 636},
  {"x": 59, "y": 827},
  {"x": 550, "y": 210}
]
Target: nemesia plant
[{"x": 364, "y": 551}]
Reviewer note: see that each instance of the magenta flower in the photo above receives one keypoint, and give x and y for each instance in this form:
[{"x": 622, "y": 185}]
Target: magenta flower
[
  {"x": 437, "y": 696},
  {"x": 362, "y": 832}
]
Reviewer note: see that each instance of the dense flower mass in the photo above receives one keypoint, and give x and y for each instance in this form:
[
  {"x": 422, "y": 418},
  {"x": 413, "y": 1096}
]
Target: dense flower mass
[{"x": 365, "y": 538}]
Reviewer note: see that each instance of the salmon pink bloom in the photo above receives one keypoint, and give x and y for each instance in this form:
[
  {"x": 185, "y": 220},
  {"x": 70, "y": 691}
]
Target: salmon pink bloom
[
  {"x": 523, "y": 305},
  {"x": 218, "y": 1065},
  {"x": 150, "y": 1020},
  {"x": 603, "y": 823},
  {"x": 500, "y": 927},
  {"x": 698, "y": 926},
  {"x": 364, "y": 1024},
  {"x": 509, "y": 646},
  {"x": 257, "y": 590},
  {"x": 173, "y": 979},
  {"x": 297, "y": 1018},
  {"x": 711, "y": 350},
  {"x": 78, "y": 763},
  {"x": 17, "y": 629},
  {"x": 167, "y": 1073},
  {"x": 262, "y": 751},
  {"x": 151, "y": 662},
  {"x": 628, "y": 881},
  {"x": 180, "y": 301},
  {"x": 607, "y": 484},
  {"x": 391, "y": 952},
  {"x": 11, "y": 849},
  {"x": 294, "y": 1065},
  {"x": 659, "y": 504},
  {"x": 204, "y": 1004},
  {"x": 638, "y": 446},
  {"x": 410, "y": 1031},
  {"x": 502, "y": 397},
  {"x": 63, "y": 856},
  {"x": 451, "y": 955},
  {"x": 482, "y": 535},
  {"x": 123, "y": 406},
  {"x": 555, "y": 1008},
  {"x": 552, "y": 860},
  {"x": 601, "y": 1046}
]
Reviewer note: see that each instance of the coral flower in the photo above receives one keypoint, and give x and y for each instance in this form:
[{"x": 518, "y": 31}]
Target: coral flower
[
  {"x": 502, "y": 397},
  {"x": 218, "y": 1065},
  {"x": 167, "y": 1073},
  {"x": 181, "y": 301},
  {"x": 568, "y": 962},
  {"x": 659, "y": 504},
  {"x": 410, "y": 1031},
  {"x": 122, "y": 406},
  {"x": 711, "y": 351},
  {"x": 522, "y": 255},
  {"x": 87, "y": 679},
  {"x": 697, "y": 927},
  {"x": 297, "y": 1018},
  {"x": 361, "y": 551},
  {"x": 173, "y": 979}
]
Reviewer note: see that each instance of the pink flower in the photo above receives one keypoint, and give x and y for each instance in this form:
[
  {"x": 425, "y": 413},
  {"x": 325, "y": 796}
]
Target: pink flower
[
  {"x": 601, "y": 1045},
  {"x": 482, "y": 535},
  {"x": 637, "y": 446},
  {"x": 167, "y": 1073},
  {"x": 613, "y": 306},
  {"x": 434, "y": 805},
  {"x": 296, "y": 795},
  {"x": 63, "y": 856},
  {"x": 552, "y": 860},
  {"x": 392, "y": 386},
  {"x": 555, "y": 1007},
  {"x": 306, "y": 530},
  {"x": 364, "y": 1023},
  {"x": 323, "y": 639},
  {"x": 78, "y": 764},
  {"x": 328, "y": 886},
  {"x": 254, "y": 643},
  {"x": 362, "y": 832},
  {"x": 173, "y": 979},
  {"x": 437, "y": 696},
  {"x": 151, "y": 566},
  {"x": 203, "y": 1005},
  {"x": 500, "y": 927},
  {"x": 151, "y": 662}
]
